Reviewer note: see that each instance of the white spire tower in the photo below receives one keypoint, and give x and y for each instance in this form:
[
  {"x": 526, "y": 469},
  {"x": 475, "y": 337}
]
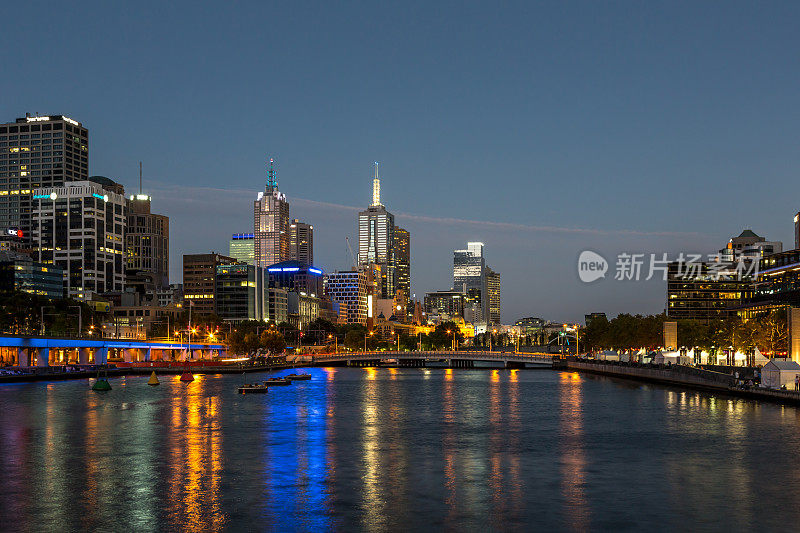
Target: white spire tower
[{"x": 376, "y": 187}]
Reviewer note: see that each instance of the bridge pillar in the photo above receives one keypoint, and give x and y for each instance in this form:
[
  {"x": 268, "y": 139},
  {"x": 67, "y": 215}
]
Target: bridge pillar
[
  {"x": 147, "y": 354},
  {"x": 23, "y": 357},
  {"x": 83, "y": 356},
  {"x": 101, "y": 356},
  {"x": 43, "y": 358}
]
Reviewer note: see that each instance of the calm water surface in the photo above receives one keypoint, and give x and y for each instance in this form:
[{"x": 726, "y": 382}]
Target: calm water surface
[{"x": 390, "y": 449}]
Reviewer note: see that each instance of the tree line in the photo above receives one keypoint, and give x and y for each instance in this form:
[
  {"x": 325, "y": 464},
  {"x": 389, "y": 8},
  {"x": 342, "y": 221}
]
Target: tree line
[{"x": 768, "y": 333}]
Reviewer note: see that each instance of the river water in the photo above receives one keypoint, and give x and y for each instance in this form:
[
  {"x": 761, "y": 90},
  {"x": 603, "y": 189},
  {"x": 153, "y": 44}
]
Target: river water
[{"x": 390, "y": 449}]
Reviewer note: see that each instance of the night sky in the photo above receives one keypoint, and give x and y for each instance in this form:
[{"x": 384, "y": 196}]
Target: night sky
[{"x": 541, "y": 129}]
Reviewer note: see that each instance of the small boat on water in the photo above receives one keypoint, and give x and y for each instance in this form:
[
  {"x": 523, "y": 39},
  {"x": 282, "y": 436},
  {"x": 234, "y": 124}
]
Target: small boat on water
[
  {"x": 298, "y": 377},
  {"x": 277, "y": 381},
  {"x": 251, "y": 388}
]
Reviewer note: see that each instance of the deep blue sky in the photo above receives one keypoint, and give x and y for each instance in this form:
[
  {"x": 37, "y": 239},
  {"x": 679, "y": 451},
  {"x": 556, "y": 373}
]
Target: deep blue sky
[{"x": 540, "y": 129}]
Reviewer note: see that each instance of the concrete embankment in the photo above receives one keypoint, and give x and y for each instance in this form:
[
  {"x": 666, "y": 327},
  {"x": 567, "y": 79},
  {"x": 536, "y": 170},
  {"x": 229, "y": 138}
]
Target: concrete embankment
[
  {"x": 46, "y": 374},
  {"x": 683, "y": 376}
]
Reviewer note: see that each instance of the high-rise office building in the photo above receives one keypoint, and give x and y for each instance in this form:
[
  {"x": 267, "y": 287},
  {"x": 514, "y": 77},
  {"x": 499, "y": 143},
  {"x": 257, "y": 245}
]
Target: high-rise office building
[
  {"x": 402, "y": 254},
  {"x": 301, "y": 242},
  {"x": 80, "y": 228},
  {"x": 200, "y": 280},
  {"x": 242, "y": 248},
  {"x": 469, "y": 278},
  {"x": 38, "y": 152},
  {"x": 493, "y": 293},
  {"x": 147, "y": 242},
  {"x": 376, "y": 239},
  {"x": 349, "y": 288},
  {"x": 270, "y": 223},
  {"x": 797, "y": 231},
  {"x": 239, "y": 295}
]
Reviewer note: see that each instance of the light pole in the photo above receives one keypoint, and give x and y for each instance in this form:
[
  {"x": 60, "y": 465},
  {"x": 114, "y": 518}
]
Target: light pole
[
  {"x": 80, "y": 318},
  {"x": 335, "y": 342},
  {"x": 365, "y": 340}
]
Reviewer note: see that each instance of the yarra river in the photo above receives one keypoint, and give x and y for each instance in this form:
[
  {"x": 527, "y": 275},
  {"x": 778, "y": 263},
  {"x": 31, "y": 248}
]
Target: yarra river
[{"x": 395, "y": 449}]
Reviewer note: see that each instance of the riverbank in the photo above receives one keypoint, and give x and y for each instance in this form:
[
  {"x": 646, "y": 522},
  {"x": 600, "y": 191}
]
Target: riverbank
[
  {"x": 678, "y": 375},
  {"x": 89, "y": 371}
]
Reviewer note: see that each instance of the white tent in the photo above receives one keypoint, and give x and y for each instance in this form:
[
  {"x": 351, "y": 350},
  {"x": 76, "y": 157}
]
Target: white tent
[
  {"x": 607, "y": 355},
  {"x": 779, "y": 372}
]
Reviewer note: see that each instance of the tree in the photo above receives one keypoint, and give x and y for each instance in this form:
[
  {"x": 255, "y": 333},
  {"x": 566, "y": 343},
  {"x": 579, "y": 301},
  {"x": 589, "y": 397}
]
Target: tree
[{"x": 272, "y": 341}]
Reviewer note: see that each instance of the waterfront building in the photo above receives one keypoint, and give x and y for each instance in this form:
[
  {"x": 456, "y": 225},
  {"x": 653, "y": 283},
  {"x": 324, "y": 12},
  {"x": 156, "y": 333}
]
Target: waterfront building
[
  {"x": 749, "y": 246},
  {"x": 147, "y": 242},
  {"x": 270, "y": 223},
  {"x": 777, "y": 284},
  {"x": 376, "y": 239},
  {"x": 712, "y": 290},
  {"x": 18, "y": 272},
  {"x": 447, "y": 304},
  {"x": 302, "y": 309},
  {"x": 80, "y": 228},
  {"x": 38, "y": 152},
  {"x": 240, "y": 295},
  {"x": 530, "y": 325},
  {"x": 402, "y": 254},
  {"x": 200, "y": 280},
  {"x": 301, "y": 242},
  {"x": 349, "y": 288},
  {"x": 296, "y": 276},
  {"x": 242, "y": 248},
  {"x": 278, "y": 305},
  {"x": 587, "y": 319},
  {"x": 167, "y": 296},
  {"x": 493, "y": 293},
  {"x": 469, "y": 278},
  {"x": 797, "y": 231}
]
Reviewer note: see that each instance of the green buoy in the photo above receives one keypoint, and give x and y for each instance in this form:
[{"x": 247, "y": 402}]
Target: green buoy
[{"x": 101, "y": 385}]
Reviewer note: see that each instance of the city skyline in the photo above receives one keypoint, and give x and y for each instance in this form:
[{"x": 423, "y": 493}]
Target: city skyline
[{"x": 624, "y": 145}]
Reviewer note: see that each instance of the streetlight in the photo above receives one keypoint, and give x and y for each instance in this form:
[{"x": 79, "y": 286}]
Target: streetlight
[
  {"x": 80, "y": 318},
  {"x": 365, "y": 340},
  {"x": 335, "y": 343}
]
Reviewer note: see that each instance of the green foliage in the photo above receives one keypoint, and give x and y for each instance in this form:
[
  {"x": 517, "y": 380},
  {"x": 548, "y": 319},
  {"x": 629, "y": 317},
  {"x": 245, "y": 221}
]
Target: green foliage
[
  {"x": 22, "y": 313},
  {"x": 768, "y": 333}
]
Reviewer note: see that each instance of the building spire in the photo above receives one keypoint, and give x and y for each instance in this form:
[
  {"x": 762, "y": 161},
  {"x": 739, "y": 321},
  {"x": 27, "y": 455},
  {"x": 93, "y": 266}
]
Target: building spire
[
  {"x": 272, "y": 180},
  {"x": 376, "y": 187}
]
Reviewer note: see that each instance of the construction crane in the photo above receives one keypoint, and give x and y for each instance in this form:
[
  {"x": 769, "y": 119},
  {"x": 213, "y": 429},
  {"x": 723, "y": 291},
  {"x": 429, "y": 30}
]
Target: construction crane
[{"x": 352, "y": 255}]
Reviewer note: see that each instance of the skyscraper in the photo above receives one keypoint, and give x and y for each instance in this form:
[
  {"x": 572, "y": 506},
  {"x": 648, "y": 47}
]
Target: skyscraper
[
  {"x": 80, "y": 228},
  {"x": 469, "y": 277},
  {"x": 271, "y": 223},
  {"x": 147, "y": 241},
  {"x": 402, "y": 255},
  {"x": 242, "y": 248},
  {"x": 797, "y": 231},
  {"x": 301, "y": 242},
  {"x": 200, "y": 280},
  {"x": 493, "y": 292},
  {"x": 38, "y": 152},
  {"x": 376, "y": 239}
]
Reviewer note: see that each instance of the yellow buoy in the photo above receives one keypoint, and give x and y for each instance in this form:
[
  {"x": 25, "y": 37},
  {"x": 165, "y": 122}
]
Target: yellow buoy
[{"x": 153, "y": 381}]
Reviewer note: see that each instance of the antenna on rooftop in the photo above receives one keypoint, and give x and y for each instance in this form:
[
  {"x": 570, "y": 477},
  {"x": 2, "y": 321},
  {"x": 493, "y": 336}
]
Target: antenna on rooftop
[{"x": 140, "y": 177}]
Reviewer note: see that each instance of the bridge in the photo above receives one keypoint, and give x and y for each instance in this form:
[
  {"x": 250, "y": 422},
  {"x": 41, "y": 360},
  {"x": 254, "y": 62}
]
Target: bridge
[
  {"x": 46, "y": 351},
  {"x": 434, "y": 359}
]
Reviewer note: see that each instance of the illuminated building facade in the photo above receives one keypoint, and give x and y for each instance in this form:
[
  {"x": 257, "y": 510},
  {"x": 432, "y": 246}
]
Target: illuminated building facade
[
  {"x": 18, "y": 272},
  {"x": 777, "y": 284},
  {"x": 271, "y": 224},
  {"x": 349, "y": 288},
  {"x": 493, "y": 293},
  {"x": 242, "y": 248},
  {"x": 239, "y": 295},
  {"x": 200, "y": 280},
  {"x": 38, "y": 152},
  {"x": 80, "y": 228},
  {"x": 402, "y": 255},
  {"x": 797, "y": 231},
  {"x": 469, "y": 278},
  {"x": 710, "y": 291},
  {"x": 147, "y": 242},
  {"x": 446, "y": 304},
  {"x": 296, "y": 276},
  {"x": 749, "y": 246},
  {"x": 376, "y": 239},
  {"x": 301, "y": 242}
]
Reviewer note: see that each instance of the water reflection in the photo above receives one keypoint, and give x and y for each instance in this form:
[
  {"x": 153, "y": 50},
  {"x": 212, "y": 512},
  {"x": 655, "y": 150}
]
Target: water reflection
[
  {"x": 573, "y": 455},
  {"x": 383, "y": 450}
]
